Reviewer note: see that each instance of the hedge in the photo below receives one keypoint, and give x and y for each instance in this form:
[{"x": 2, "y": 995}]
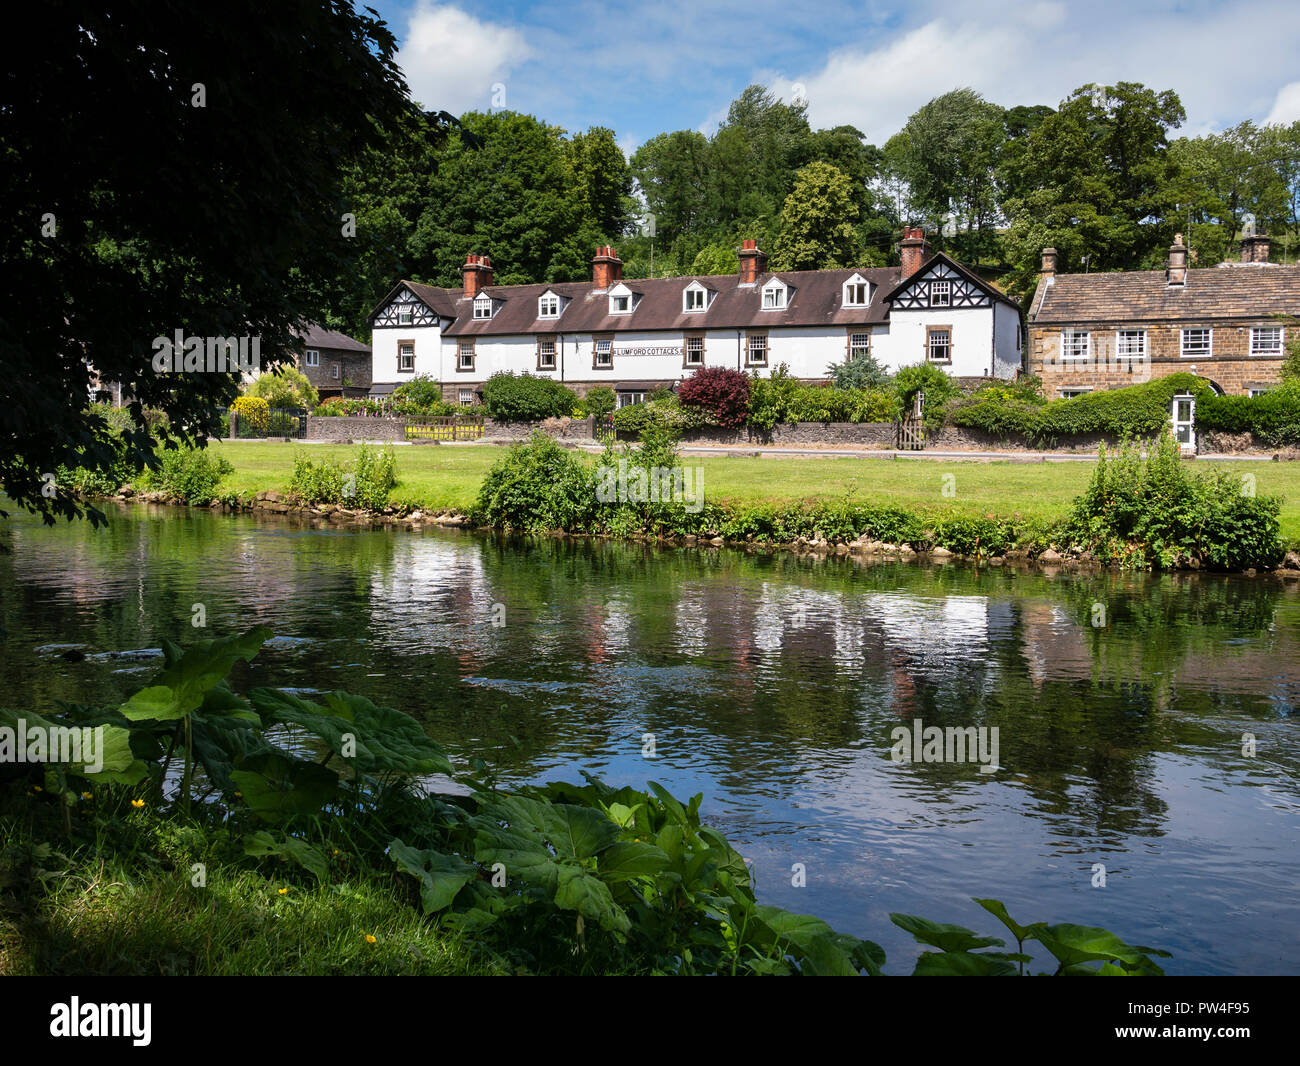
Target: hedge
[{"x": 1274, "y": 417}]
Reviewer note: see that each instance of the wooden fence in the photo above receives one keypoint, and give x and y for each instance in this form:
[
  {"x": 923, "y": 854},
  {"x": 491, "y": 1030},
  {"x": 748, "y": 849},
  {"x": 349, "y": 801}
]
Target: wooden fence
[{"x": 460, "y": 427}]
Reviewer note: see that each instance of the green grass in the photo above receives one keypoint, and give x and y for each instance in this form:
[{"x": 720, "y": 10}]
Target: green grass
[
  {"x": 447, "y": 478},
  {"x": 136, "y": 912}
]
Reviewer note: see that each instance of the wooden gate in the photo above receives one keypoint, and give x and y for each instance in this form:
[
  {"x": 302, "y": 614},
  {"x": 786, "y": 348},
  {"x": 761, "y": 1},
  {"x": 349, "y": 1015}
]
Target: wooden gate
[{"x": 911, "y": 434}]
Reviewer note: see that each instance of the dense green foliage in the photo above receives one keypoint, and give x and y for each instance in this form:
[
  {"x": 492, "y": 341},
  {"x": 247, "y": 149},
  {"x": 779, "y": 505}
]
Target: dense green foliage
[
  {"x": 721, "y": 392},
  {"x": 557, "y": 879},
  {"x": 536, "y": 486},
  {"x": 285, "y": 387},
  {"x": 366, "y": 482},
  {"x": 422, "y": 397},
  {"x": 191, "y": 475},
  {"x": 1274, "y": 417},
  {"x": 599, "y": 402},
  {"x": 1157, "y": 511},
  {"x": 524, "y": 398}
]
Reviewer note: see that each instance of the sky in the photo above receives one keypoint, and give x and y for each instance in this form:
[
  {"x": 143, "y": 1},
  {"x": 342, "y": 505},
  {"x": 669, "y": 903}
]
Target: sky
[{"x": 642, "y": 69}]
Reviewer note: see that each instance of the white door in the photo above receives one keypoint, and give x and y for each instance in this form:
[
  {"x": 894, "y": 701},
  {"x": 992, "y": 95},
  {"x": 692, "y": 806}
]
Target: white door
[{"x": 1184, "y": 419}]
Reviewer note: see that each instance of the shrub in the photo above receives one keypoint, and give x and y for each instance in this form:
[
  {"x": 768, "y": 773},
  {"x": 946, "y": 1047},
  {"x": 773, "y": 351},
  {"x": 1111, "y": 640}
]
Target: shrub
[
  {"x": 937, "y": 388},
  {"x": 376, "y": 477},
  {"x": 420, "y": 391},
  {"x": 189, "y": 474},
  {"x": 338, "y": 406},
  {"x": 526, "y": 398},
  {"x": 285, "y": 387},
  {"x": 254, "y": 411},
  {"x": 1274, "y": 417},
  {"x": 366, "y": 482},
  {"x": 536, "y": 486},
  {"x": 599, "y": 402},
  {"x": 665, "y": 414},
  {"x": 861, "y": 373},
  {"x": 722, "y": 392},
  {"x": 1152, "y": 511}
]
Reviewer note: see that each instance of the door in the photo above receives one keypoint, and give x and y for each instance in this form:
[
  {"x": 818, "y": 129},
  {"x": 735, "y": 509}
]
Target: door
[{"x": 1184, "y": 419}]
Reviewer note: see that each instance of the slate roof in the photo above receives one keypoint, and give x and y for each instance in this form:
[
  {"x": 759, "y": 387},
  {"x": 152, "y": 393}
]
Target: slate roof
[
  {"x": 316, "y": 336},
  {"x": 1234, "y": 291},
  {"x": 814, "y": 300}
]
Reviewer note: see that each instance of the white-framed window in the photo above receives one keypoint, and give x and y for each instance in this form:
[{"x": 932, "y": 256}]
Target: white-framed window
[
  {"x": 1076, "y": 345},
  {"x": 695, "y": 299},
  {"x": 756, "y": 349},
  {"x": 313, "y": 357},
  {"x": 334, "y": 371},
  {"x": 465, "y": 397},
  {"x": 774, "y": 296},
  {"x": 857, "y": 293},
  {"x": 1070, "y": 394},
  {"x": 465, "y": 355},
  {"x": 1197, "y": 342},
  {"x": 548, "y": 306},
  {"x": 938, "y": 344},
  {"x": 620, "y": 305},
  {"x": 404, "y": 316},
  {"x": 1253, "y": 392},
  {"x": 694, "y": 351},
  {"x": 1131, "y": 344},
  {"x": 604, "y": 352},
  {"x": 941, "y": 293},
  {"x": 406, "y": 355},
  {"x": 483, "y": 306},
  {"x": 546, "y": 353},
  {"x": 859, "y": 345},
  {"x": 627, "y": 399},
  {"x": 1266, "y": 340}
]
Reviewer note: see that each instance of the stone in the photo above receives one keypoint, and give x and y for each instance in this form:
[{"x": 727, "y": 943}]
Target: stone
[
  {"x": 1291, "y": 561},
  {"x": 940, "y": 552},
  {"x": 1050, "y": 556}
]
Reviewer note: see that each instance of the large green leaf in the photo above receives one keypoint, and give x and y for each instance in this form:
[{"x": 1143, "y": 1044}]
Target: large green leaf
[
  {"x": 309, "y": 858},
  {"x": 574, "y": 832},
  {"x": 1075, "y": 944},
  {"x": 277, "y": 788},
  {"x": 998, "y": 909},
  {"x": 963, "y": 964},
  {"x": 180, "y": 688},
  {"x": 627, "y": 859},
  {"x": 943, "y": 936},
  {"x": 441, "y": 876},
  {"x": 385, "y": 740},
  {"x": 578, "y": 890},
  {"x": 117, "y": 763}
]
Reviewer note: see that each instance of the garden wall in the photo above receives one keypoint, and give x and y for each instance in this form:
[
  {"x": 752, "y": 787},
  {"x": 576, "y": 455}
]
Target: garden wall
[
  {"x": 344, "y": 429},
  {"x": 575, "y": 429}
]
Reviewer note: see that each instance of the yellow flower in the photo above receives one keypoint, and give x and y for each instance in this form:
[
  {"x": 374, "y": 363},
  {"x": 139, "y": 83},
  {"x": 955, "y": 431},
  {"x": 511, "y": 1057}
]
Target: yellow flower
[
  {"x": 38, "y": 788},
  {"x": 370, "y": 939},
  {"x": 284, "y": 891},
  {"x": 137, "y": 804},
  {"x": 336, "y": 851},
  {"x": 240, "y": 795},
  {"x": 86, "y": 796}
]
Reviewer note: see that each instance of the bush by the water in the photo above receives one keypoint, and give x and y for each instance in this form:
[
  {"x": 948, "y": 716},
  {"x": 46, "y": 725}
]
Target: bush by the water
[
  {"x": 536, "y": 486},
  {"x": 365, "y": 482},
  {"x": 1157, "y": 511},
  {"x": 322, "y": 798},
  {"x": 524, "y": 398},
  {"x": 188, "y": 474}
]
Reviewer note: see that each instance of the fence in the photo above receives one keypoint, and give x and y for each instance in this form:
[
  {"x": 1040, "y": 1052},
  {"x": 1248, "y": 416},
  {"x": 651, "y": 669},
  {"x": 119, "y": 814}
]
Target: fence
[
  {"x": 280, "y": 422},
  {"x": 459, "y": 427},
  {"x": 603, "y": 430},
  {"x": 911, "y": 435}
]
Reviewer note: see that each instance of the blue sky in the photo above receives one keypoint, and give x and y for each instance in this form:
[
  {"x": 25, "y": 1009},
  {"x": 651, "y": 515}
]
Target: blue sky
[{"x": 644, "y": 68}]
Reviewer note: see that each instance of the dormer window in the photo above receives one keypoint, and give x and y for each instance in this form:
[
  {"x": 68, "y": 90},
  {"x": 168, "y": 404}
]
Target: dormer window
[
  {"x": 548, "y": 305},
  {"x": 620, "y": 300},
  {"x": 483, "y": 306},
  {"x": 404, "y": 316},
  {"x": 695, "y": 298},
  {"x": 775, "y": 295},
  {"x": 857, "y": 292}
]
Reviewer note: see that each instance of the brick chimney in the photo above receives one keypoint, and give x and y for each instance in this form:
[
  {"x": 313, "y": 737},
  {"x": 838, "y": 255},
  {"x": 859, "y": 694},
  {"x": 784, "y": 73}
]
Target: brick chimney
[
  {"x": 476, "y": 274},
  {"x": 1176, "y": 271},
  {"x": 1049, "y": 263},
  {"x": 1254, "y": 249},
  {"x": 753, "y": 262},
  {"x": 916, "y": 250},
  {"x": 606, "y": 269}
]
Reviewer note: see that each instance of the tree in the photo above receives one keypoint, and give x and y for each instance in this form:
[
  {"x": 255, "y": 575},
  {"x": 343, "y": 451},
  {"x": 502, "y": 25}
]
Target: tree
[
  {"x": 817, "y": 221},
  {"x": 947, "y": 155},
  {"x": 670, "y": 170},
  {"x": 1098, "y": 181},
  {"x": 163, "y": 174},
  {"x": 285, "y": 387},
  {"x": 603, "y": 175}
]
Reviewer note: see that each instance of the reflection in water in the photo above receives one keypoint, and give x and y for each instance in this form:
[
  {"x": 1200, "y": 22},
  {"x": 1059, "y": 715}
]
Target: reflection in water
[{"x": 771, "y": 683}]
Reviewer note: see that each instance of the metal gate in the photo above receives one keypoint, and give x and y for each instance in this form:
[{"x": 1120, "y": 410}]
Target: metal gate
[{"x": 604, "y": 431}]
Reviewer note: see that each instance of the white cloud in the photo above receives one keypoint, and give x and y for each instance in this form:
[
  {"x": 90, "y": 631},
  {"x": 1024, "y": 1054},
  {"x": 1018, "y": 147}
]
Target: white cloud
[
  {"x": 1286, "y": 108},
  {"x": 453, "y": 61},
  {"x": 1050, "y": 49}
]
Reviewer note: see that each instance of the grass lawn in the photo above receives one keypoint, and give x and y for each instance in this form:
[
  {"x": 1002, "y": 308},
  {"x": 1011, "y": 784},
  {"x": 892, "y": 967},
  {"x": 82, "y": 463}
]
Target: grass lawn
[{"x": 443, "y": 477}]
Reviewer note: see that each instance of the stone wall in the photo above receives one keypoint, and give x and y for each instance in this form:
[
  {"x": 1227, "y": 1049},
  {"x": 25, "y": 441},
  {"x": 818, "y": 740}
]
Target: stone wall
[
  {"x": 574, "y": 429},
  {"x": 362, "y": 428}
]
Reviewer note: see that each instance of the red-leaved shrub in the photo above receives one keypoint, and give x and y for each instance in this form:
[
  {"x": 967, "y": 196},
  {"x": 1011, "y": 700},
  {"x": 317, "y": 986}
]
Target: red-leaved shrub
[{"x": 722, "y": 392}]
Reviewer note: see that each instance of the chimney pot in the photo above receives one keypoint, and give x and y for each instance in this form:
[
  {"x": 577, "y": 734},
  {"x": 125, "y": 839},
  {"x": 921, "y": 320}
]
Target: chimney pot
[
  {"x": 1255, "y": 248},
  {"x": 606, "y": 268},
  {"x": 916, "y": 250},
  {"x": 1049, "y": 262},
  {"x": 1176, "y": 270},
  {"x": 753, "y": 261},
  {"x": 476, "y": 274}
]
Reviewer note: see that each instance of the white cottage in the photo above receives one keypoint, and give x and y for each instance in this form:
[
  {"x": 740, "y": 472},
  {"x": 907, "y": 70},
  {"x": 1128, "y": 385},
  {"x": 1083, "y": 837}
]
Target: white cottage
[{"x": 635, "y": 335}]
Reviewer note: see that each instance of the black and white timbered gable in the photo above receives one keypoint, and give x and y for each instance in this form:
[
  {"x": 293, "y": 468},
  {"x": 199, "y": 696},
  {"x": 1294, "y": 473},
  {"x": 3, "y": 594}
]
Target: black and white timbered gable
[
  {"x": 402, "y": 307},
  {"x": 942, "y": 284}
]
